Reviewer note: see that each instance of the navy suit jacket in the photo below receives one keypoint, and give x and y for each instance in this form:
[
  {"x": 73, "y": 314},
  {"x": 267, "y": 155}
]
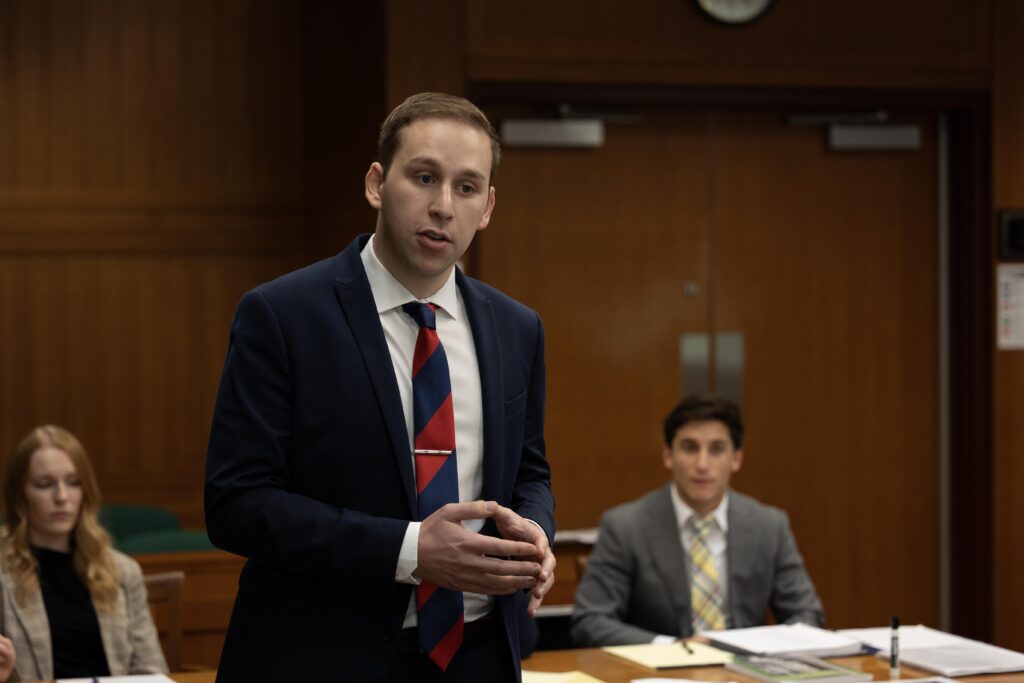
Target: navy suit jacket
[{"x": 309, "y": 474}]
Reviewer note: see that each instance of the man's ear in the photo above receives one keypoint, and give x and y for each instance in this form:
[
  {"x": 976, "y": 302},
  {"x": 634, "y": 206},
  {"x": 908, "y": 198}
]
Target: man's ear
[
  {"x": 666, "y": 457},
  {"x": 737, "y": 461},
  {"x": 486, "y": 218},
  {"x": 375, "y": 184}
]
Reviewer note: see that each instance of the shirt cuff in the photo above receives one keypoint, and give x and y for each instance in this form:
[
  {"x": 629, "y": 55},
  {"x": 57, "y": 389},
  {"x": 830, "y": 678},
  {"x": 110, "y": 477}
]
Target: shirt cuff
[
  {"x": 408, "y": 555},
  {"x": 664, "y": 640},
  {"x": 541, "y": 530}
]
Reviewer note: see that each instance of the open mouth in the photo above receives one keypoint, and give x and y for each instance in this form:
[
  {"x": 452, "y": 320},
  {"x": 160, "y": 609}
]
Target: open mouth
[{"x": 438, "y": 237}]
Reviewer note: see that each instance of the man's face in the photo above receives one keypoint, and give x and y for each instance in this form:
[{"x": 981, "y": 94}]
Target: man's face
[
  {"x": 434, "y": 199},
  {"x": 702, "y": 459}
]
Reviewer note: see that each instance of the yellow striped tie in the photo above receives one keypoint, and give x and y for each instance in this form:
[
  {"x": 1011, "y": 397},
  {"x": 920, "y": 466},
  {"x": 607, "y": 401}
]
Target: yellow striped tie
[{"x": 705, "y": 588}]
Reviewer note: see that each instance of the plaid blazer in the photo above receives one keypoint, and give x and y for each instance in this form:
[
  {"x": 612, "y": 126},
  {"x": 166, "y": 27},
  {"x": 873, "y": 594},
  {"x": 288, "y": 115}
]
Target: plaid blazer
[{"x": 129, "y": 635}]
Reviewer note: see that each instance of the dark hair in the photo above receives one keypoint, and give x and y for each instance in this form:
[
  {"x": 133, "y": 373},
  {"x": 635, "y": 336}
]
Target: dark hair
[
  {"x": 697, "y": 409},
  {"x": 433, "y": 105}
]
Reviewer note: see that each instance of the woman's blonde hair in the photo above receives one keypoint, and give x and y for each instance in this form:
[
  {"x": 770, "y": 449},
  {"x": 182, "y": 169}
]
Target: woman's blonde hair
[{"x": 93, "y": 559}]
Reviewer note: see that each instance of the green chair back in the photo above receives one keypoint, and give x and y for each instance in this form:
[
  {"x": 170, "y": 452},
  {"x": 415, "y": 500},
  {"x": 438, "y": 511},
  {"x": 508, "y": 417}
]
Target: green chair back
[
  {"x": 170, "y": 541},
  {"x": 127, "y": 521}
]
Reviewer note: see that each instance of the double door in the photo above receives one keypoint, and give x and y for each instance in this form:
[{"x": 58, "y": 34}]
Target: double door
[{"x": 818, "y": 267}]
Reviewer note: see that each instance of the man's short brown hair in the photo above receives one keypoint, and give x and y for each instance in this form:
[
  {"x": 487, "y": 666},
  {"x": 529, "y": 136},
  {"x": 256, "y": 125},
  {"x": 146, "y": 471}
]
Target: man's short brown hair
[{"x": 433, "y": 105}]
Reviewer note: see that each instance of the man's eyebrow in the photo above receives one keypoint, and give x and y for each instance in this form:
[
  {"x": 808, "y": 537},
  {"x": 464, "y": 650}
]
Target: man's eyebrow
[
  {"x": 424, "y": 161},
  {"x": 434, "y": 163}
]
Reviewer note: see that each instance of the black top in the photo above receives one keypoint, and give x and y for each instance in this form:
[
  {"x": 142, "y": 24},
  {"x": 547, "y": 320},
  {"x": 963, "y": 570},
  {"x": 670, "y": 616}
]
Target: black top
[{"x": 74, "y": 628}]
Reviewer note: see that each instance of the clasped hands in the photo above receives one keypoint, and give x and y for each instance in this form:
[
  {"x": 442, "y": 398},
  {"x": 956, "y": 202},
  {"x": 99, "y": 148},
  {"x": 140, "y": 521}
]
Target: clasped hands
[{"x": 451, "y": 556}]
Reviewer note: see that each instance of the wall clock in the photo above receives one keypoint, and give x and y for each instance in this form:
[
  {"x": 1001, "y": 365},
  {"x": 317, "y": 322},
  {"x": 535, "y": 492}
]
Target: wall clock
[{"x": 734, "y": 11}]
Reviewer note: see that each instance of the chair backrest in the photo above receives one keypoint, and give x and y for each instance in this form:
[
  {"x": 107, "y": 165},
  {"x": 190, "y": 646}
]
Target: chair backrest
[
  {"x": 581, "y": 565},
  {"x": 170, "y": 541},
  {"x": 125, "y": 521},
  {"x": 164, "y": 592}
]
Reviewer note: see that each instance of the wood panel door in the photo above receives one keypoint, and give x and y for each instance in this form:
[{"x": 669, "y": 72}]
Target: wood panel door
[
  {"x": 600, "y": 242},
  {"x": 824, "y": 261}
]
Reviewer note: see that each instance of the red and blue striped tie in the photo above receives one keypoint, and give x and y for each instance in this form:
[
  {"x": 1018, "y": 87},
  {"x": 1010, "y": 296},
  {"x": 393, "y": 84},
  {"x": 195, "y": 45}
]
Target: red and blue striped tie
[{"x": 440, "y": 612}]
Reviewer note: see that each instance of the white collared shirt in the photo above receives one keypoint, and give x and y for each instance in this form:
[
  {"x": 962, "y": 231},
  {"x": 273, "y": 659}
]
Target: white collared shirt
[
  {"x": 453, "y": 329},
  {"x": 716, "y": 541}
]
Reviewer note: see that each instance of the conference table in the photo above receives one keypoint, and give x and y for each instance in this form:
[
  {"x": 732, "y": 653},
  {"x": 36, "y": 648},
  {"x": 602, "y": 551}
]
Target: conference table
[{"x": 612, "y": 669}]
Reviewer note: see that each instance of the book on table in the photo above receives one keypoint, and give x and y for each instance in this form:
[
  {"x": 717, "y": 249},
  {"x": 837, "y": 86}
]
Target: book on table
[
  {"x": 784, "y": 668},
  {"x": 785, "y": 639}
]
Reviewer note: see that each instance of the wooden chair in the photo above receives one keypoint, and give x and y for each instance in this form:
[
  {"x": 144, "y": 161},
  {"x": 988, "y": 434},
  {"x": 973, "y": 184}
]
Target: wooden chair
[
  {"x": 581, "y": 565},
  {"x": 165, "y": 602}
]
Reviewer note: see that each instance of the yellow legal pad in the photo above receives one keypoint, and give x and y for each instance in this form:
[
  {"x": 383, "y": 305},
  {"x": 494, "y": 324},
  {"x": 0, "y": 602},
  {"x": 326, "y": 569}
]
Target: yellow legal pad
[
  {"x": 568, "y": 677},
  {"x": 670, "y": 656}
]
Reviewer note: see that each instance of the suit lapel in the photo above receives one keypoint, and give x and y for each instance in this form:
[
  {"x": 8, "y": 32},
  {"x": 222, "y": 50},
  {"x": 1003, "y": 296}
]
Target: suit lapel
[
  {"x": 492, "y": 389},
  {"x": 113, "y": 627},
  {"x": 669, "y": 560},
  {"x": 353, "y": 290},
  {"x": 36, "y": 626},
  {"x": 739, "y": 540}
]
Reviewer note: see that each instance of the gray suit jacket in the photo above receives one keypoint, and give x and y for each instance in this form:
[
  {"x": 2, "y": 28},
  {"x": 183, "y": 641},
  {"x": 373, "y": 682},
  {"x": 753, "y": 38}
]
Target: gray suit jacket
[
  {"x": 129, "y": 636},
  {"x": 636, "y": 583}
]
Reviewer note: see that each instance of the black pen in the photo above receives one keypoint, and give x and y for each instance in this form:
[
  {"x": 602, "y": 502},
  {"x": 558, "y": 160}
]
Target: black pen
[
  {"x": 894, "y": 649},
  {"x": 686, "y": 646}
]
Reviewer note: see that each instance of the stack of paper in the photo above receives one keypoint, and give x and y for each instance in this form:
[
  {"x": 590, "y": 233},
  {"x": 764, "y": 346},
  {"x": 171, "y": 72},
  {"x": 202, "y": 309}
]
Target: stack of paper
[
  {"x": 567, "y": 677},
  {"x": 942, "y": 652},
  {"x": 670, "y": 655},
  {"x": 138, "y": 678},
  {"x": 786, "y": 639}
]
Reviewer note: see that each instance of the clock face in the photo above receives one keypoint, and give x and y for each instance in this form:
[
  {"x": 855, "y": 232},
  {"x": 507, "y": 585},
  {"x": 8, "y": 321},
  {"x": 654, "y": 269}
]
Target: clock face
[{"x": 734, "y": 11}]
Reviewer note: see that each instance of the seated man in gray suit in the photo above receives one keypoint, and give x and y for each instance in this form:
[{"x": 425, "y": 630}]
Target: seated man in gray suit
[{"x": 693, "y": 556}]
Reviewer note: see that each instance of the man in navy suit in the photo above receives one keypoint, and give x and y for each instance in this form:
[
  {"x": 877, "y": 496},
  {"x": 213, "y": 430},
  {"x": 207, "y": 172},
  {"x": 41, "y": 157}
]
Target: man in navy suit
[{"x": 310, "y": 473}]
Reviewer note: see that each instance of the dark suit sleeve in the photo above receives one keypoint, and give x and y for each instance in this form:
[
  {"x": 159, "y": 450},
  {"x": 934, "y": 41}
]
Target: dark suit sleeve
[
  {"x": 604, "y": 594},
  {"x": 531, "y": 495},
  {"x": 251, "y": 509},
  {"x": 793, "y": 596}
]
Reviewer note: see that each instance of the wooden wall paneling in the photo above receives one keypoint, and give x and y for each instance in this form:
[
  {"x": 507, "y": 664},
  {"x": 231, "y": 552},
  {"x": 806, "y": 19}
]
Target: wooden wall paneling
[
  {"x": 101, "y": 110},
  {"x": 344, "y": 108},
  {"x": 201, "y": 69},
  {"x": 126, "y": 352},
  {"x": 68, "y": 91},
  {"x": 827, "y": 263},
  {"x": 799, "y": 42},
  {"x": 30, "y": 108},
  {"x": 138, "y": 136},
  {"x": 208, "y": 593},
  {"x": 169, "y": 103},
  {"x": 8, "y": 148},
  {"x": 170, "y": 98},
  {"x": 601, "y": 242},
  {"x": 152, "y": 168},
  {"x": 416, "y": 63},
  {"x": 1008, "y": 186}
]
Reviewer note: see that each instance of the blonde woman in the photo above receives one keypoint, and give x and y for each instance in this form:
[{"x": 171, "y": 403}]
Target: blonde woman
[{"x": 72, "y": 606}]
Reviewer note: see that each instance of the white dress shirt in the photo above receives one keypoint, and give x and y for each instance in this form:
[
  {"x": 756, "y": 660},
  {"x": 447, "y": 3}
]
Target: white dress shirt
[
  {"x": 716, "y": 542},
  {"x": 456, "y": 336}
]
